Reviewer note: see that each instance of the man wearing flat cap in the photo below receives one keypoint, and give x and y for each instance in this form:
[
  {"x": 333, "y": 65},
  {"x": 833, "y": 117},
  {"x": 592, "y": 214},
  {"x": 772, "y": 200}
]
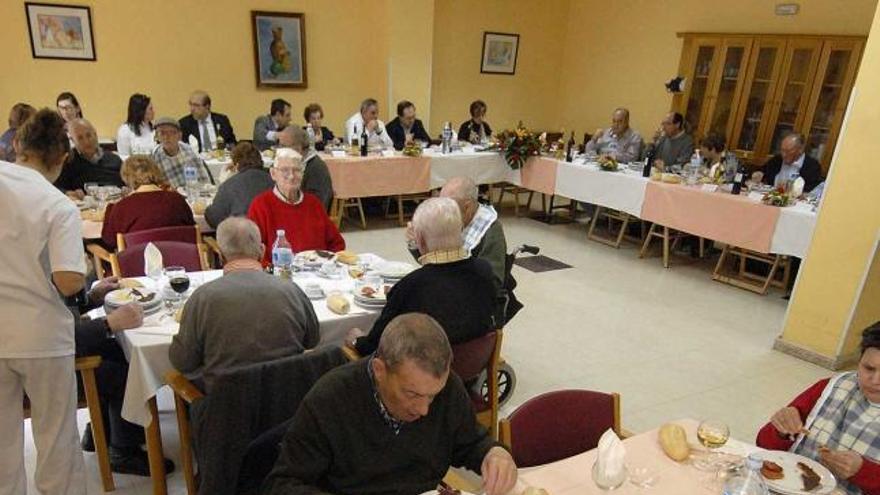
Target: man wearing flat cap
[{"x": 174, "y": 156}]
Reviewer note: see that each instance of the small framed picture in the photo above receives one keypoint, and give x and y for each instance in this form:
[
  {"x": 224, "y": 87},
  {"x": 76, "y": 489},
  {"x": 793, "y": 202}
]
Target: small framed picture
[
  {"x": 60, "y": 31},
  {"x": 499, "y": 53},
  {"x": 279, "y": 49}
]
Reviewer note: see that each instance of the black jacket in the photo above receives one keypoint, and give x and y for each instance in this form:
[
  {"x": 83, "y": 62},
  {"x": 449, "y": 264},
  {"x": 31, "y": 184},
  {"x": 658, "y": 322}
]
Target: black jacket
[
  {"x": 189, "y": 126},
  {"x": 77, "y": 171},
  {"x": 811, "y": 171},
  {"x": 398, "y": 135}
]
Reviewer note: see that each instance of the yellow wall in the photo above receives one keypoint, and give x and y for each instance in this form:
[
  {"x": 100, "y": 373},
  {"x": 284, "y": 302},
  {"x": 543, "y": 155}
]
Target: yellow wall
[
  {"x": 531, "y": 95},
  {"x": 619, "y": 53},
  {"x": 410, "y": 50},
  {"x": 867, "y": 311},
  {"x": 848, "y": 223},
  {"x": 167, "y": 48}
]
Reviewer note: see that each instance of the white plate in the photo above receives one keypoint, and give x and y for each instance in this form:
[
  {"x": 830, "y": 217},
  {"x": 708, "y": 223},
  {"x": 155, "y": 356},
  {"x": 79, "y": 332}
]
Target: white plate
[
  {"x": 792, "y": 484},
  {"x": 120, "y": 297},
  {"x": 394, "y": 269}
]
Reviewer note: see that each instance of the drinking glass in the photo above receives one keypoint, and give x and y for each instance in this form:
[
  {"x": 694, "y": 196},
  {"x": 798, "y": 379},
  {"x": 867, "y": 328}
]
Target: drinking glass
[
  {"x": 177, "y": 280},
  {"x": 102, "y": 194},
  {"x": 91, "y": 188},
  {"x": 713, "y": 434}
]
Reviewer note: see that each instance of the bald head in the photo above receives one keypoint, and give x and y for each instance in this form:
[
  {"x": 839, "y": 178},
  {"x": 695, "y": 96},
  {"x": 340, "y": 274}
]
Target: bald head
[
  {"x": 791, "y": 148},
  {"x": 465, "y": 193},
  {"x": 239, "y": 238},
  {"x": 85, "y": 138},
  {"x": 619, "y": 120},
  {"x": 199, "y": 105}
]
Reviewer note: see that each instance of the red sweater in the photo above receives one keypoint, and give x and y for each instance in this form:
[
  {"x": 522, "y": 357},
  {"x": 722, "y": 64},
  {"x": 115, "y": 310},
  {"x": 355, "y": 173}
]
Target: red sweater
[
  {"x": 868, "y": 477},
  {"x": 145, "y": 210},
  {"x": 306, "y": 225}
]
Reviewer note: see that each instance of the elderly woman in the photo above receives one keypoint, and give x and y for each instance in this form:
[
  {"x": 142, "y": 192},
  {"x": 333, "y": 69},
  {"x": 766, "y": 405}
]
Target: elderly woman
[
  {"x": 316, "y": 177},
  {"x": 476, "y": 129},
  {"x": 19, "y": 113},
  {"x": 287, "y": 207},
  {"x": 314, "y": 115},
  {"x": 836, "y": 422},
  {"x": 451, "y": 286},
  {"x": 150, "y": 205},
  {"x": 136, "y": 135},
  {"x": 236, "y": 193}
]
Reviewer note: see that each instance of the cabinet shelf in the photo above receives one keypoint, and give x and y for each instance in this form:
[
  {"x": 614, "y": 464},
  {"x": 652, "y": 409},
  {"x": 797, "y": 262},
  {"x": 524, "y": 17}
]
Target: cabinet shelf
[
  {"x": 832, "y": 85},
  {"x": 762, "y": 81}
]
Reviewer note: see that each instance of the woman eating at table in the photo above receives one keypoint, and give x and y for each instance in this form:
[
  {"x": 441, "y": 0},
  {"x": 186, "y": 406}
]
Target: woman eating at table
[
  {"x": 476, "y": 129},
  {"x": 313, "y": 115},
  {"x": 285, "y": 206},
  {"x": 136, "y": 135},
  {"x": 234, "y": 195},
  {"x": 837, "y": 422},
  {"x": 150, "y": 205},
  {"x": 712, "y": 149}
]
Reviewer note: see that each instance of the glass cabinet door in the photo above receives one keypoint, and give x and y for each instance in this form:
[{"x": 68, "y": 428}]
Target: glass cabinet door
[
  {"x": 763, "y": 72},
  {"x": 698, "y": 88},
  {"x": 728, "y": 86},
  {"x": 801, "y": 59},
  {"x": 830, "y": 95}
]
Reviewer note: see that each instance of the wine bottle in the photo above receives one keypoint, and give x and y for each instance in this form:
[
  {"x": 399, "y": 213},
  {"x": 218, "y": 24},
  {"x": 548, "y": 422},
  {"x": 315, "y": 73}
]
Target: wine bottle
[
  {"x": 738, "y": 180},
  {"x": 649, "y": 160},
  {"x": 364, "y": 148},
  {"x": 569, "y": 150}
]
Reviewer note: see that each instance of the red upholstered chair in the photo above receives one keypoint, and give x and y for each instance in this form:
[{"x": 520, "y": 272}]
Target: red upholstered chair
[
  {"x": 469, "y": 361},
  {"x": 130, "y": 261},
  {"x": 179, "y": 233},
  {"x": 558, "y": 425}
]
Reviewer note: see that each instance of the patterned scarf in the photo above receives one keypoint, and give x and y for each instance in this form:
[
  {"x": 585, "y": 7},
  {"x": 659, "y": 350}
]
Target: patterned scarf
[
  {"x": 474, "y": 232},
  {"x": 842, "y": 419}
]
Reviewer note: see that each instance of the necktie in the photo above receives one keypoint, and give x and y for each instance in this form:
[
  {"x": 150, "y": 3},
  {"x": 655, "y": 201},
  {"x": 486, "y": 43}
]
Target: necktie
[{"x": 206, "y": 137}]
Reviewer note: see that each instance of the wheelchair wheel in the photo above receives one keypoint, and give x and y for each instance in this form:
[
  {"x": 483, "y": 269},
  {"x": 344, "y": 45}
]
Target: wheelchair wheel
[{"x": 506, "y": 384}]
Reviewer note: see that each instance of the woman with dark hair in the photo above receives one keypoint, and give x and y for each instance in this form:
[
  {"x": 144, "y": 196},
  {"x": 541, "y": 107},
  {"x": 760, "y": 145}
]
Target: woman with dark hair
[
  {"x": 42, "y": 257},
  {"x": 314, "y": 115},
  {"x": 136, "y": 135},
  {"x": 68, "y": 106},
  {"x": 712, "y": 149},
  {"x": 17, "y": 116},
  {"x": 476, "y": 129},
  {"x": 835, "y": 422},
  {"x": 234, "y": 195}
]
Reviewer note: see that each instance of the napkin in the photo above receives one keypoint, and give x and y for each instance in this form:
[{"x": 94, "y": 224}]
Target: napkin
[
  {"x": 338, "y": 304},
  {"x": 193, "y": 142},
  {"x": 152, "y": 261},
  {"x": 611, "y": 459},
  {"x": 797, "y": 188}
]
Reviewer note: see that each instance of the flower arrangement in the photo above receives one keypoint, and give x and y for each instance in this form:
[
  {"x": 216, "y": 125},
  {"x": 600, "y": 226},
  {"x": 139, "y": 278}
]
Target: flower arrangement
[
  {"x": 411, "y": 148},
  {"x": 517, "y": 145},
  {"x": 608, "y": 163},
  {"x": 777, "y": 197}
]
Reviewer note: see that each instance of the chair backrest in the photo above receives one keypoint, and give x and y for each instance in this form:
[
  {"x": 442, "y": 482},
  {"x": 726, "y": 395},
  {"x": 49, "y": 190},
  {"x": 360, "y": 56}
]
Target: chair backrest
[
  {"x": 558, "y": 425},
  {"x": 179, "y": 233},
  {"x": 130, "y": 262},
  {"x": 470, "y": 358}
]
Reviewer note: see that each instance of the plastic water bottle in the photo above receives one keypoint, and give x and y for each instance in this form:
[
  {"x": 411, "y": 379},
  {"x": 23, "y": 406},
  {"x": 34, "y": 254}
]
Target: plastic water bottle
[
  {"x": 748, "y": 481},
  {"x": 191, "y": 177},
  {"x": 693, "y": 172},
  {"x": 282, "y": 255},
  {"x": 311, "y": 133},
  {"x": 446, "y": 146},
  {"x": 731, "y": 166}
]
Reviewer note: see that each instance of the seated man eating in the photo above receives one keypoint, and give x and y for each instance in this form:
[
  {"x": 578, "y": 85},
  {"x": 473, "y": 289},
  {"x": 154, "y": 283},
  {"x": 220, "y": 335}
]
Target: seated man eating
[
  {"x": 393, "y": 423},
  {"x": 836, "y": 422}
]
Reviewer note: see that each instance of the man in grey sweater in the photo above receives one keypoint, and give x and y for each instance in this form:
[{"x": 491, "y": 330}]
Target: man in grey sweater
[
  {"x": 673, "y": 146},
  {"x": 245, "y": 317}
]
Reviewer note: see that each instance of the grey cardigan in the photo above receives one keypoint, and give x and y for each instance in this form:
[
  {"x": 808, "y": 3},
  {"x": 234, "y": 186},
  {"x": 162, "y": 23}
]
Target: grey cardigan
[{"x": 235, "y": 195}]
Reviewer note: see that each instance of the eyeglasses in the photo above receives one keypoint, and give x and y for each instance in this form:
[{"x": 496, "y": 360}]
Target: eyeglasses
[{"x": 288, "y": 172}]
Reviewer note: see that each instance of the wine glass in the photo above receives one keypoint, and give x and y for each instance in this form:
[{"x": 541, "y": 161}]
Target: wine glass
[
  {"x": 177, "y": 280},
  {"x": 91, "y": 188},
  {"x": 712, "y": 434}
]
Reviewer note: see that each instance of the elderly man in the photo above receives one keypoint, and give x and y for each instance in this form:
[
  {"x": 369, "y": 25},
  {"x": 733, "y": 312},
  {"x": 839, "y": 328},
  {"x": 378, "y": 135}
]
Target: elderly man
[
  {"x": 393, "y": 423},
  {"x": 174, "y": 157},
  {"x": 451, "y": 286},
  {"x": 245, "y": 317},
  {"x": 266, "y": 127},
  {"x": 368, "y": 117},
  {"x": 316, "y": 176},
  {"x": 790, "y": 163},
  {"x": 672, "y": 145},
  {"x": 204, "y": 124},
  {"x": 835, "y": 422},
  {"x": 406, "y": 127},
  {"x": 619, "y": 141},
  {"x": 88, "y": 162}
]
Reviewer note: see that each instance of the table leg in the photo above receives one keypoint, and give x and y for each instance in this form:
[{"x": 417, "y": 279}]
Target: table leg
[{"x": 154, "y": 450}]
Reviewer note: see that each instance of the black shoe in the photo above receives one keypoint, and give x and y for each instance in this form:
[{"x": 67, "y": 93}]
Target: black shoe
[
  {"x": 134, "y": 461},
  {"x": 88, "y": 441}
]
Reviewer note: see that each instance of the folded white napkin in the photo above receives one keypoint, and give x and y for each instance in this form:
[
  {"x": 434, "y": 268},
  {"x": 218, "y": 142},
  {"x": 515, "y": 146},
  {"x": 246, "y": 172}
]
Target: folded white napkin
[
  {"x": 797, "y": 188},
  {"x": 193, "y": 143},
  {"x": 153, "y": 261},
  {"x": 611, "y": 458}
]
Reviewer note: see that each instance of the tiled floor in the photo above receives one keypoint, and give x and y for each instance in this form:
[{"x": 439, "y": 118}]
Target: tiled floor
[{"x": 672, "y": 342}]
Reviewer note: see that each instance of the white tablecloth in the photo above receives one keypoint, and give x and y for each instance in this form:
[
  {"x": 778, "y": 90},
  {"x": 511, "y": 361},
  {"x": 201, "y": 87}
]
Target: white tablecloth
[
  {"x": 624, "y": 191},
  {"x": 794, "y": 230},
  {"x": 147, "y": 347},
  {"x": 483, "y": 167}
]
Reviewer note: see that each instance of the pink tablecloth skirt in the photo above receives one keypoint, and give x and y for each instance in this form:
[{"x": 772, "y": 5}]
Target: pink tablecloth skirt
[
  {"x": 539, "y": 174},
  {"x": 731, "y": 219},
  {"x": 356, "y": 177}
]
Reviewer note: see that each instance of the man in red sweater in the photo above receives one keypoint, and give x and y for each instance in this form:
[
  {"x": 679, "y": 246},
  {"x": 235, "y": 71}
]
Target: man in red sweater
[
  {"x": 301, "y": 215},
  {"x": 837, "y": 422}
]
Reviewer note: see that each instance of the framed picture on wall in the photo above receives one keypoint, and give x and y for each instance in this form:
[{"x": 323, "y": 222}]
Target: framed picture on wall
[
  {"x": 499, "y": 53},
  {"x": 279, "y": 49},
  {"x": 60, "y": 31}
]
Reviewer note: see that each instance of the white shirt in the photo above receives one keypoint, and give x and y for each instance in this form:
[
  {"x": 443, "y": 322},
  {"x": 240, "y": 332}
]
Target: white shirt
[
  {"x": 355, "y": 125},
  {"x": 41, "y": 233},
  {"x": 127, "y": 141},
  {"x": 787, "y": 169}
]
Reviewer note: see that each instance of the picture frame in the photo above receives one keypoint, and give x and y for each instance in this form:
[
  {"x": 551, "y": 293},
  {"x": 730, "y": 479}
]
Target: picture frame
[
  {"x": 279, "y": 49},
  {"x": 500, "y": 51},
  {"x": 61, "y": 32}
]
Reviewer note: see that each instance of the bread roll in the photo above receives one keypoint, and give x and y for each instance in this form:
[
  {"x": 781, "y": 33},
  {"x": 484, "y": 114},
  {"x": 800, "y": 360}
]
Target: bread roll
[
  {"x": 338, "y": 304},
  {"x": 347, "y": 257}
]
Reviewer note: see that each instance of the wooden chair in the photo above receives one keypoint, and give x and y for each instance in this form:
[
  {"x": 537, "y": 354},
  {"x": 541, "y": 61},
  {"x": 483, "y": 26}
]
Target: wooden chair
[
  {"x": 130, "y": 262},
  {"x": 613, "y": 240},
  {"x": 185, "y": 393},
  {"x": 778, "y": 273},
  {"x": 558, "y": 425},
  {"x": 670, "y": 240},
  {"x": 180, "y": 233},
  {"x": 516, "y": 191},
  {"x": 86, "y": 367},
  {"x": 339, "y": 210},
  {"x": 401, "y": 214}
]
